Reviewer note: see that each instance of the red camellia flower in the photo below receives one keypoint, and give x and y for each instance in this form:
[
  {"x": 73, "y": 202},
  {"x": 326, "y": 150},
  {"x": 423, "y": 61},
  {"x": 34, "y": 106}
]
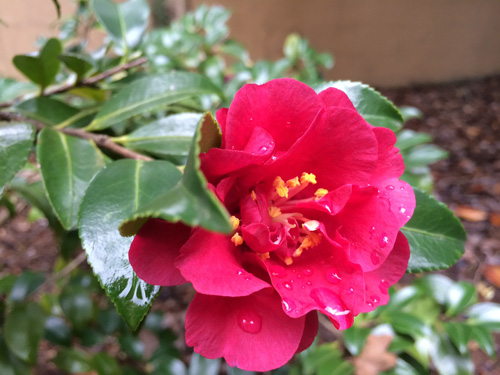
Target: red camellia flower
[{"x": 316, "y": 208}]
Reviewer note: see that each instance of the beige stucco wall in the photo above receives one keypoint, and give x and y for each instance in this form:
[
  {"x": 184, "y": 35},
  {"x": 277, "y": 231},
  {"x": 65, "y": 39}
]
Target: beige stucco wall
[{"x": 381, "y": 42}]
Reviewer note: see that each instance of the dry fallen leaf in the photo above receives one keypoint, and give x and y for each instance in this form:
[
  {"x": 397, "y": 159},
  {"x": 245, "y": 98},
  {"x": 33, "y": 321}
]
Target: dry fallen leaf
[
  {"x": 492, "y": 274},
  {"x": 375, "y": 358},
  {"x": 470, "y": 213},
  {"x": 495, "y": 219}
]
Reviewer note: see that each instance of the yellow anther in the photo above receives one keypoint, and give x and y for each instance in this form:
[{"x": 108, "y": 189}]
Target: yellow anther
[
  {"x": 235, "y": 222},
  {"x": 308, "y": 177},
  {"x": 237, "y": 239},
  {"x": 253, "y": 195},
  {"x": 280, "y": 187},
  {"x": 294, "y": 182},
  {"x": 320, "y": 193},
  {"x": 298, "y": 252},
  {"x": 274, "y": 211},
  {"x": 288, "y": 260},
  {"x": 312, "y": 240},
  {"x": 264, "y": 256}
]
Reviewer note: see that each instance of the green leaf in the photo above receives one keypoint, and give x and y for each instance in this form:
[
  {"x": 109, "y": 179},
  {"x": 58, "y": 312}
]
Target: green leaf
[
  {"x": 47, "y": 110},
  {"x": 11, "y": 89},
  {"x": 115, "y": 194},
  {"x": 422, "y": 156},
  {"x": 41, "y": 69},
  {"x": 460, "y": 296},
  {"x": 401, "y": 298},
  {"x": 23, "y": 329},
  {"x": 77, "y": 63},
  {"x": 436, "y": 286},
  {"x": 16, "y": 140},
  {"x": 484, "y": 339},
  {"x": 407, "y": 324},
  {"x": 435, "y": 235},
  {"x": 460, "y": 334},
  {"x": 67, "y": 165},
  {"x": 326, "y": 359},
  {"x": 58, "y": 8},
  {"x": 104, "y": 364},
  {"x": 237, "y": 371},
  {"x": 24, "y": 285},
  {"x": 203, "y": 366},
  {"x": 409, "y": 112},
  {"x": 9, "y": 363},
  {"x": 77, "y": 305},
  {"x": 486, "y": 314},
  {"x": 73, "y": 361},
  {"x": 448, "y": 360},
  {"x": 125, "y": 23},
  {"x": 355, "y": 338},
  {"x": 170, "y": 137},
  {"x": 375, "y": 108},
  {"x": 57, "y": 331},
  {"x": 190, "y": 201},
  {"x": 409, "y": 138},
  {"x": 150, "y": 93}
]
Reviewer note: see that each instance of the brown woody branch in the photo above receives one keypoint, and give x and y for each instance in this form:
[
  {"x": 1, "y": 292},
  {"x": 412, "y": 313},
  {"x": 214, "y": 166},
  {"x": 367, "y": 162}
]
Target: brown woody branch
[
  {"x": 87, "y": 81},
  {"x": 101, "y": 140}
]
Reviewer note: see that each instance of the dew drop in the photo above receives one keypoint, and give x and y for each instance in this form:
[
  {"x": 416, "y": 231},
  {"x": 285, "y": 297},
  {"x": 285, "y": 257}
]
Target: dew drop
[
  {"x": 262, "y": 149},
  {"x": 402, "y": 209},
  {"x": 375, "y": 299},
  {"x": 288, "y": 305},
  {"x": 249, "y": 321},
  {"x": 369, "y": 303},
  {"x": 402, "y": 188},
  {"x": 389, "y": 187},
  {"x": 333, "y": 277},
  {"x": 350, "y": 291},
  {"x": 309, "y": 283},
  {"x": 308, "y": 272},
  {"x": 375, "y": 257},
  {"x": 247, "y": 279},
  {"x": 273, "y": 158},
  {"x": 240, "y": 272},
  {"x": 384, "y": 240},
  {"x": 251, "y": 118},
  {"x": 303, "y": 286},
  {"x": 299, "y": 276},
  {"x": 383, "y": 286},
  {"x": 371, "y": 230},
  {"x": 278, "y": 271},
  {"x": 287, "y": 285}
]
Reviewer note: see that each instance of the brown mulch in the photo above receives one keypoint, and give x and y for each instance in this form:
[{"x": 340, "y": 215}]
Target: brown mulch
[{"x": 463, "y": 118}]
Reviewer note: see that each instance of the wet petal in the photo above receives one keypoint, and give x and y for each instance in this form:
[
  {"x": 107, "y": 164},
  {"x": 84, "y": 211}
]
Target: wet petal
[
  {"x": 154, "y": 250},
  {"x": 212, "y": 263},
  {"x": 251, "y": 333},
  {"x": 333, "y": 97},
  {"x": 310, "y": 331}
]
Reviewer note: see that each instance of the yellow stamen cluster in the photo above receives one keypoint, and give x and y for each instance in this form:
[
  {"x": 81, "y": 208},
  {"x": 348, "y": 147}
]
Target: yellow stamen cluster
[
  {"x": 312, "y": 240},
  {"x": 288, "y": 260},
  {"x": 308, "y": 177},
  {"x": 253, "y": 195},
  {"x": 320, "y": 193},
  {"x": 294, "y": 182},
  {"x": 280, "y": 187},
  {"x": 235, "y": 222},
  {"x": 237, "y": 239},
  {"x": 274, "y": 211},
  {"x": 264, "y": 256}
]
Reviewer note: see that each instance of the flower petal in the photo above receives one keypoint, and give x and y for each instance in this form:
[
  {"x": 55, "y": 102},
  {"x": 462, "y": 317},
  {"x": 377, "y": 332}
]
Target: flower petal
[
  {"x": 154, "y": 249},
  {"x": 209, "y": 261},
  {"x": 251, "y": 333},
  {"x": 390, "y": 272},
  {"x": 283, "y": 107},
  {"x": 310, "y": 331},
  {"x": 333, "y": 97}
]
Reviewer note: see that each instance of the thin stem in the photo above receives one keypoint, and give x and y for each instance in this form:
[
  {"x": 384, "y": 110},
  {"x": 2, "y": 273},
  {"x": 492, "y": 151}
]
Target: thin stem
[
  {"x": 100, "y": 140},
  {"x": 86, "y": 82}
]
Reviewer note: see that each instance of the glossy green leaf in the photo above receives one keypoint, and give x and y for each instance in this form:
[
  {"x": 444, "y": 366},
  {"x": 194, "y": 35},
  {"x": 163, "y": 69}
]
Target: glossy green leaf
[
  {"x": 150, "y": 93},
  {"x": 115, "y": 194},
  {"x": 355, "y": 338},
  {"x": 57, "y": 331},
  {"x": 484, "y": 339},
  {"x": 423, "y": 155},
  {"x": 325, "y": 359},
  {"x": 190, "y": 201},
  {"x": 435, "y": 235},
  {"x": 409, "y": 112},
  {"x": 436, "y": 286},
  {"x": 486, "y": 314},
  {"x": 9, "y": 363},
  {"x": 460, "y": 296},
  {"x": 203, "y": 366},
  {"x": 401, "y": 298},
  {"x": 79, "y": 64},
  {"x": 77, "y": 305},
  {"x": 131, "y": 345},
  {"x": 73, "y": 361},
  {"x": 16, "y": 140},
  {"x": 23, "y": 329},
  {"x": 375, "y": 108},
  {"x": 7, "y": 283},
  {"x": 124, "y": 22},
  {"x": 448, "y": 360},
  {"x": 67, "y": 165},
  {"x": 169, "y": 137},
  {"x": 25, "y": 284},
  {"x": 410, "y": 138},
  {"x": 460, "y": 335},
  {"x": 47, "y": 110},
  {"x": 407, "y": 324},
  {"x": 11, "y": 89},
  {"x": 41, "y": 69},
  {"x": 104, "y": 364}
]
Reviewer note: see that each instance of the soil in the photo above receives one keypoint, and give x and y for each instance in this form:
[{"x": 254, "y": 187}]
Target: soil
[{"x": 463, "y": 118}]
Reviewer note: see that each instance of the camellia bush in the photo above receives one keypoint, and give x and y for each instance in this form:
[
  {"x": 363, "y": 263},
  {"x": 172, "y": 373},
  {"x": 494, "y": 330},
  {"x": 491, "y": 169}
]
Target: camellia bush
[{"x": 173, "y": 158}]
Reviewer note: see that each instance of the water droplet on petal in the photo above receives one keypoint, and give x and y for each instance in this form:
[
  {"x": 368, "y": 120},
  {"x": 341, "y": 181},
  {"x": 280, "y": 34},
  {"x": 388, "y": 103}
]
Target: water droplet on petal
[
  {"x": 375, "y": 257},
  {"x": 288, "y": 305},
  {"x": 372, "y": 229},
  {"x": 308, "y": 272},
  {"x": 383, "y": 286},
  {"x": 350, "y": 291},
  {"x": 240, "y": 272},
  {"x": 249, "y": 321},
  {"x": 278, "y": 271},
  {"x": 384, "y": 240},
  {"x": 287, "y": 285},
  {"x": 273, "y": 158},
  {"x": 389, "y": 187},
  {"x": 375, "y": 299},
  {"x": 402, "y": 188},
  {"x": 402, "y": 209},
  {"x": 333, "y": 277},
  {"x": 309, "y": 283},
  {"x": 262, "y": 149}
]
